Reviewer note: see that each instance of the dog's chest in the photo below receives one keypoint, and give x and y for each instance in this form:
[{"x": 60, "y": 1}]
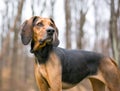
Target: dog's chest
[{"x": 50, "y": 70}]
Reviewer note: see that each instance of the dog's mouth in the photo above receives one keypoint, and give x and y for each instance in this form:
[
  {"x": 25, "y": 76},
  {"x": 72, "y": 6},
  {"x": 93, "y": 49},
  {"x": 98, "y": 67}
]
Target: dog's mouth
[
  {"x": 47, "y": 40},
  {"x": 41, "y": 43}
]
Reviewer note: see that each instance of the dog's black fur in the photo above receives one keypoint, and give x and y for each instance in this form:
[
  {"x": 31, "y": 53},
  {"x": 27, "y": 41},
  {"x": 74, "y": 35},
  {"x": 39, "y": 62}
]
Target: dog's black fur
[{"x": 76, "y": 64}]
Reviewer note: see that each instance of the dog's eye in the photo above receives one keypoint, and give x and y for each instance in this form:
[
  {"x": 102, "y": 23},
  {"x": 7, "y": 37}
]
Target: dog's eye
[
  {"x": 51, "y": 24},
  {"x": 40, "y": 24}
]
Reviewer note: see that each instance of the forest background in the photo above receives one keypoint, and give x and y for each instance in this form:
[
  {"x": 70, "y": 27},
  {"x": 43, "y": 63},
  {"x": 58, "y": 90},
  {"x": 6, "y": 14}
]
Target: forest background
[{"x": 92, "y": 25}]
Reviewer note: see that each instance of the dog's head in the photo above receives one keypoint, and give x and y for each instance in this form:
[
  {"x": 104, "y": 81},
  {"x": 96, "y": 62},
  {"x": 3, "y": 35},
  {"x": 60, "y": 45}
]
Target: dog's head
[{"x": 40, "y": 31}]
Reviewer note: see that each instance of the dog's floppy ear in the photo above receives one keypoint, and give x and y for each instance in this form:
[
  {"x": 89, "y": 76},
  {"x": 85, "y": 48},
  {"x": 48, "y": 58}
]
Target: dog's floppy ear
[
  {"x": 55, "y": 37},
  {"x": 26, "y": 30}
]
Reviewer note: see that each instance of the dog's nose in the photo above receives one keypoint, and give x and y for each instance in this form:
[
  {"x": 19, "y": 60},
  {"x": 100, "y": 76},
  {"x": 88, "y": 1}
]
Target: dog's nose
[{"x": 50, "y": 31}]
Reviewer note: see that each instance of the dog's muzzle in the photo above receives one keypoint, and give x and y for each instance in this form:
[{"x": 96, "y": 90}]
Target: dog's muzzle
[{"x": 49, "y": 36}]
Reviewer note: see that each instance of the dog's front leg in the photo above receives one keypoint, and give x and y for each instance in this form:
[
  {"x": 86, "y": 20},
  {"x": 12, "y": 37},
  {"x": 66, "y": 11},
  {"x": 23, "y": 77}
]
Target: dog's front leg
[
  {"x": 55, "y": 82},
  {"x": 42, "y": 84},
  {"x": 54, "y": 73}
]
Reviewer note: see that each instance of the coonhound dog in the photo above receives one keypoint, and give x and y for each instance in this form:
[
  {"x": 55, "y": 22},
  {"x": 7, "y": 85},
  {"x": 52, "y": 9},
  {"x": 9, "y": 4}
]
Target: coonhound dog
[{"x": 57, "y": 68}]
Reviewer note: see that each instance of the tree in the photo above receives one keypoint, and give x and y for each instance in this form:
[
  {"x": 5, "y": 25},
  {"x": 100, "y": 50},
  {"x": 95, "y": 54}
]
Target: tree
[
  {"x": 80, "y": 33},
  {"x": 15, "y": 62},
  {"x": 68, "y": 23},
  {"x": 113, "y": 33}
]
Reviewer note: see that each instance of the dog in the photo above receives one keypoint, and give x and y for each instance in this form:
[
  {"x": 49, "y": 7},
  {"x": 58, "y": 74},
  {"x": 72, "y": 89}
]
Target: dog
[{"x": 57, "y": 68}]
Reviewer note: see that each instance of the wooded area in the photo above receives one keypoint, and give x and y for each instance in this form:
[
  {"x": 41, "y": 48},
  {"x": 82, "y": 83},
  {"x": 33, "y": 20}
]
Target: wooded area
[{"x": 87, "y": 24}]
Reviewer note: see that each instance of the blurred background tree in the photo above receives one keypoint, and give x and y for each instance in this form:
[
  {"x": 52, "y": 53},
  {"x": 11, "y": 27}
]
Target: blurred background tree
[{"x": 83, "y": 24}]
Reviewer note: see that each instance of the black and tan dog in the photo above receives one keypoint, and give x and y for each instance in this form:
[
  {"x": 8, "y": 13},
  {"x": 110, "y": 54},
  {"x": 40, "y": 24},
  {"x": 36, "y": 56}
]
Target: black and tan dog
[{"x": 57, "y": 68}]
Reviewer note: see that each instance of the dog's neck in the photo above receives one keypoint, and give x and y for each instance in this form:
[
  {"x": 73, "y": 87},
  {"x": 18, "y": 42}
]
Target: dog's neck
[{"x": 42, "y": 54}]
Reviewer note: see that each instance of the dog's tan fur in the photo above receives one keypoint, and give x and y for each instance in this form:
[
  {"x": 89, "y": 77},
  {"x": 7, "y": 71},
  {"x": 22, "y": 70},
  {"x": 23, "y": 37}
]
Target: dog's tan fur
[{"x": 49, "y": 74}]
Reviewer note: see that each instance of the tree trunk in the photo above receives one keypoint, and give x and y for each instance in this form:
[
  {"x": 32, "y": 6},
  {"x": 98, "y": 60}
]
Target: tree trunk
[
  {"x": 80, "y": 33},
  {"x": 52, "y": 2},
  {"x": 68, "y": 23},
  {"x": 118, "y": 18},
  {"x": 113, "y": 32},
  {"x": 15, "y": 63}
]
